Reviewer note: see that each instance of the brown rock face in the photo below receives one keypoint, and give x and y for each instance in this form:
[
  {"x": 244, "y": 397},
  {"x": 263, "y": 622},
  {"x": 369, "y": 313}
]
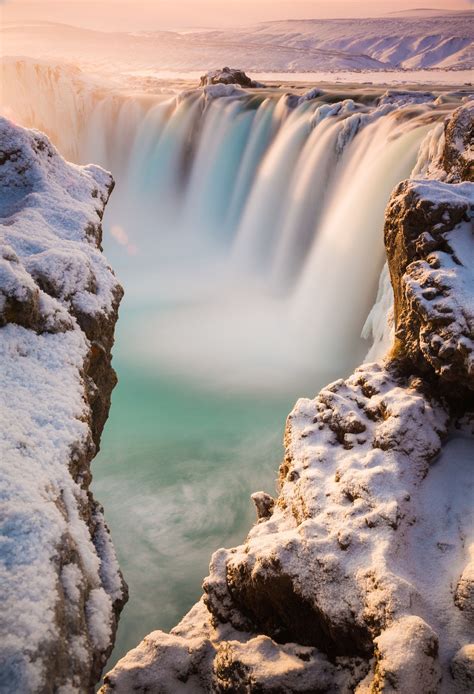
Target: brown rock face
[
  {"x": 429, "y": 236},
  {"x": 457, "y": 158},
  {"x": 276, "y": 608}
]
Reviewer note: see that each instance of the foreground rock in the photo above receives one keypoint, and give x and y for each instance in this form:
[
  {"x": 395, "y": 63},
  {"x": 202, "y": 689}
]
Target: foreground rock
[
  {"x": 359, "y": 576},
  {"x": 61, "y": 588},
  {"x": 432, "y": 277},
  {"x": 229, "y": 76}
]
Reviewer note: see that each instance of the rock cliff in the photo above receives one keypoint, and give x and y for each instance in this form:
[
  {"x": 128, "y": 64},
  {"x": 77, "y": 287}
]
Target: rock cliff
[
  {"x": 358, "y": 576},
  {"x": 61, "y": 587}
]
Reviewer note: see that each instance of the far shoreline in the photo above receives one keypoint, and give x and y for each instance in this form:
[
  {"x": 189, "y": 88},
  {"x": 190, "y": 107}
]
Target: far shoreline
[{"x": 433, "y": 77}]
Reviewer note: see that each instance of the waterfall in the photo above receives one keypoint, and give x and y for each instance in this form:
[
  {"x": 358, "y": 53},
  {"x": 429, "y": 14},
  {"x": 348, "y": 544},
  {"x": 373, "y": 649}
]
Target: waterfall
[
  {"x": 248, "y": 225},
  {"x": 341, "y": 274},
  {"x": 247, "y": 229}
]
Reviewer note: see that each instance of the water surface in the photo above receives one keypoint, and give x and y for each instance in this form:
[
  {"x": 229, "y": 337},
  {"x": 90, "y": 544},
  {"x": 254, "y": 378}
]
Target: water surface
[{"x": 175, "y": 473}]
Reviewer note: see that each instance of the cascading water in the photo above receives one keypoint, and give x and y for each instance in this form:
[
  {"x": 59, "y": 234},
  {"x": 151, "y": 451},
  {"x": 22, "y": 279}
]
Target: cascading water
[{"x": 247, "y": 231}]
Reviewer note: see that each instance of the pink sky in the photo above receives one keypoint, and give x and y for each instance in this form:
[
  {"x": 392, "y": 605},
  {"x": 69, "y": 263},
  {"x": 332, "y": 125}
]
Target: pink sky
[{"x": 163, "y": 14}]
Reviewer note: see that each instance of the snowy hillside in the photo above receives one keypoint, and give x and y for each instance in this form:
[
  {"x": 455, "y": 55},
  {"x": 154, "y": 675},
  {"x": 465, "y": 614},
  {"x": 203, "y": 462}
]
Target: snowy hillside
[
  {"x": 400, "y": 41},
  {"x": 444, "y": 41}
]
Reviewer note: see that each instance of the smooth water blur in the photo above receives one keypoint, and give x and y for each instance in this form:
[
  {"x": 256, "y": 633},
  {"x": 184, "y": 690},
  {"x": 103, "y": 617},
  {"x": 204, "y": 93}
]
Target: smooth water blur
[{"x": 175, "y": 474}]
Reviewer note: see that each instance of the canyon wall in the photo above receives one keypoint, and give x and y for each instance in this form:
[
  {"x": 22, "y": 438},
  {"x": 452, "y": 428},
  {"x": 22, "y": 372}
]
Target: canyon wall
[
  {"x": 358, "y": 575},
  {"x": 61, "y": 586}
]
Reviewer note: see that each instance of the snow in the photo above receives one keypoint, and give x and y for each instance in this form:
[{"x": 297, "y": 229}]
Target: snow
[
  {"x": 99, "y": 611},
  {"x": 399, "y": 660},
  {"x": 444, "y": 504},
  {"x": 383, "y": 43},
  {"x": 458, "y": 280},
  {"x": 403, "y": 98},
  {"x": 219, "y": 91},
  {"x": 378, "y": 327},
  {"x": 364, "y": 497},
  {"x": 43, "y": 222},
  {"x": 41, "y": 379},
  {"x": 196, "y": 656},
  {"x": 51, "y": 271},
  {"x": 71, "y": 578},
  {"x": 442, "y": 194}
]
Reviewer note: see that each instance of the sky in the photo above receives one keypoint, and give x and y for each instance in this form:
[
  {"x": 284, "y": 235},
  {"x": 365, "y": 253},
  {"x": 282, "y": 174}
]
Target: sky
[{"x": 134, "y": 15}]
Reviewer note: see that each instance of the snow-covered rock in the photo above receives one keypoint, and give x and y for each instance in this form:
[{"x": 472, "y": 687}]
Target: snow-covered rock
[
  {"x": 358, "y": 576},
  {"x": 433, "y": 277},
  {"x": 310, "y": 95},
  {"x": 432, "y": 272},
  {"x": 400, "y": 97},
  {"x": 229, "y": 76},
  {"x": 61, "y": 588},
  {"x": 219, "y": 91}
]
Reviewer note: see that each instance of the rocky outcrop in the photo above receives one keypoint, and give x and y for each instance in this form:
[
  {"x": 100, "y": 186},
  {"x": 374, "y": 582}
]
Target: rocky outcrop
[
  {"x": 451, "y": 157},
  {"x": 400, "y": 97},
  {"x": 229, "y": 76},
  {"x": 428, "y": 236},
  {"x": 432, "y": 277},
  {"x": 456, "y": 159},
  {"x": 61, "y": 587},
  {"x": 358, "y": 576}
]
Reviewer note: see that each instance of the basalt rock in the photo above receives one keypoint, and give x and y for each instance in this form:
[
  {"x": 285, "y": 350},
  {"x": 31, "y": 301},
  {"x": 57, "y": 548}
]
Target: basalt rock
[
  {"x": 229, "y": 76},
  {"x": 429, "y": 237},
  {"x": 457, "y": 156}
]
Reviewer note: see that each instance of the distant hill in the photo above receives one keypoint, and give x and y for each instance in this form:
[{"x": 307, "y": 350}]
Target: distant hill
[
  {"x": 428, "y": 40},
  {"x": 422, "y": 11},
  {"x": 416, "y": 40}
]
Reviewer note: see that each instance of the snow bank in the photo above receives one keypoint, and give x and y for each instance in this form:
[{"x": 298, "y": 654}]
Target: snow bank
[{"x": 61, "y": 588}]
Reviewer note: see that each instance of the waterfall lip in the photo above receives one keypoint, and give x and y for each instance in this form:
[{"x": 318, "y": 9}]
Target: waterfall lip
[{"x": 210, "y": 173}]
